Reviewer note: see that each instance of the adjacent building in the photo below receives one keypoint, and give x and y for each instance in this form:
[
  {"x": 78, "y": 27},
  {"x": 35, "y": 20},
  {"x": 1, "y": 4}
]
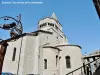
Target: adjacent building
[{"x": 93, "y": 60}]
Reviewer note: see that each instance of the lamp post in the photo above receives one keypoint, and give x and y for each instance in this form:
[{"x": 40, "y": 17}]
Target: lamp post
[{"x": 15, "y": 28}]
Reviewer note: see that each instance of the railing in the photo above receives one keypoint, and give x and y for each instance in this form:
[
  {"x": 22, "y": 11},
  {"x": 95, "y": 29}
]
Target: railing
[{"x": 84, "y": 70}]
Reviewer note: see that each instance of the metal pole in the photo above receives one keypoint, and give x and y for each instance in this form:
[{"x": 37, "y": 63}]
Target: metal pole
[{"x": 19, "y": 55}]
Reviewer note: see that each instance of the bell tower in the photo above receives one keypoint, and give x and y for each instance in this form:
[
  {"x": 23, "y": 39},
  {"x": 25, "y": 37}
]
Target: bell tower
[{"x": 50, "y": 22}]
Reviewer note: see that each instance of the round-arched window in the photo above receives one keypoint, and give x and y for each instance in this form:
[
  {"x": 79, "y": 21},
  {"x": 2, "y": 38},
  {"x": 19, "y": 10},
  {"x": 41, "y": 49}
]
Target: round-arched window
[{"x": 68, "y": 63}]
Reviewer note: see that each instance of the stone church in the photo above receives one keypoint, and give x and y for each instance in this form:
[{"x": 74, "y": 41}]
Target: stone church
[{"x": 42, "y": 52}]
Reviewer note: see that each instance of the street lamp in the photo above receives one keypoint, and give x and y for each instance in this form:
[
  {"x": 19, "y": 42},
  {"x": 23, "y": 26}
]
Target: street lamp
[{"x": 15, "y": 28}]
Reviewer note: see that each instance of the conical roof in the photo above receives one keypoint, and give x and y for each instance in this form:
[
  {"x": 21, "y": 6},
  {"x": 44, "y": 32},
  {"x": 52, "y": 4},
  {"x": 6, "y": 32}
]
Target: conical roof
[{"x": 54, "y": 16}]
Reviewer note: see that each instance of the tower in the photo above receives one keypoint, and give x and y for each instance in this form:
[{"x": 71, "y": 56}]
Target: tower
[{"x": 50, "y": 22}]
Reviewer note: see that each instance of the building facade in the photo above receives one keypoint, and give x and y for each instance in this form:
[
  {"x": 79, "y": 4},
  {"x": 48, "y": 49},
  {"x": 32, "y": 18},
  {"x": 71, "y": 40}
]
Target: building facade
[
  {"x": 93, "y": 61},
  {"x": 45, "y": 51}
]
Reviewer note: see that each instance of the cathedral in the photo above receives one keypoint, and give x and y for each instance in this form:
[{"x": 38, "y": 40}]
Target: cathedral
[{"x": 42, "y": 52}]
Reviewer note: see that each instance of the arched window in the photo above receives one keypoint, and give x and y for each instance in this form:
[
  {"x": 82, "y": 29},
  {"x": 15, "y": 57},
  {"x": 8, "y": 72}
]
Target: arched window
[
  {"x": 42, "y": 25},
  {"x": 45, "y": 63},
  {"x": 51, "y": 24},
  {"x": 56, "y": 60},
  {"x": 14, "y": 54},
  {"x": 68, "y": 64}
]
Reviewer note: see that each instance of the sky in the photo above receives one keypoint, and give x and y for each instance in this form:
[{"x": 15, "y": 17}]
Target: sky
[{"x": 79, "y": 19}]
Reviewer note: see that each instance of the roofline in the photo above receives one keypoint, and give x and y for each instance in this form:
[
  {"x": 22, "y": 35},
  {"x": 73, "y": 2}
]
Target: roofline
[
  {"x": 42, "y": 31},
  {"x": 17, "y": 37},
  {"x": 69, "y": 45},
  {"x": 35, "y": 33},
  {"x": 50, "y": 18},
  {"x": 91, "y": 56},
  {"x": 52, "y": 47}
]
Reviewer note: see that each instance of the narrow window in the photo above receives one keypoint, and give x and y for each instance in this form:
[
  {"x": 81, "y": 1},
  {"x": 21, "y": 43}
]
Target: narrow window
[
  {"x": 51, "y": 24},
  {"x": 14, "y": 54},
  {"x": 56, "y": 60},
  {"x": 68, "y": 64},
  {"x": 45, "y": 63},
  {"x": 56, "y": 27},
  {"x": 42, "y": 25},
  {"x": 57, "y": 37}
]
